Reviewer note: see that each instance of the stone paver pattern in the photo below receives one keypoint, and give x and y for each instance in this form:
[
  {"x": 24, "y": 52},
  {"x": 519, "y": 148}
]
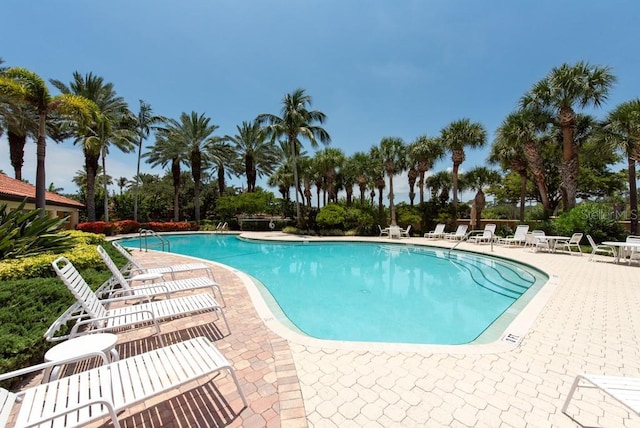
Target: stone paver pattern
[{"x": 587, "y": 319}]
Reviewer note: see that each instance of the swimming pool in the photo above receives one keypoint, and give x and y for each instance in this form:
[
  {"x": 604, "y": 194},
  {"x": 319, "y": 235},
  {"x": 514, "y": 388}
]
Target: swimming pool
[{"x": 373, "y": 292}]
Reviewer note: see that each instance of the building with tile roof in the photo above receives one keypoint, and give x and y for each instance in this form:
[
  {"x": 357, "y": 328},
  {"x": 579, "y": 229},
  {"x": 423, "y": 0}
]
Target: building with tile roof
[{"x": 13, "y": 192}]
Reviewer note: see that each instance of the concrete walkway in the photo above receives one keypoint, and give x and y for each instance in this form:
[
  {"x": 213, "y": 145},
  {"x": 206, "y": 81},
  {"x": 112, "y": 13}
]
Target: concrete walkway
[{"x": 587, "y": 319}]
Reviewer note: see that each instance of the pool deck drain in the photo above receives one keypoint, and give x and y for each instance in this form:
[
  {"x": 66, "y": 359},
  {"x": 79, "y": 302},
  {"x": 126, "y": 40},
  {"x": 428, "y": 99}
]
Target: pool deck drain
[{"x": 586, "y": 321}]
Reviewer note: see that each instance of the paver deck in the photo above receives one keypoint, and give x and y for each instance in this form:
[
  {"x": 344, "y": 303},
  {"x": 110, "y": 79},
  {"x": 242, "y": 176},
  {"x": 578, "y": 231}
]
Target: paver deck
[{"x": 587, "y": 319}]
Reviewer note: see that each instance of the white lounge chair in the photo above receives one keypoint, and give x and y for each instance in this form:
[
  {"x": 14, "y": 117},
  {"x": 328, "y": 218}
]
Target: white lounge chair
[
  {"x": 519, "y": 236},
  {"x": 154, "y": 289},
  {"x": 600, "y": 249},
  {"x": 383, "y": 232},
  {"x": 405, "y": 232},
  {"x": 133, "y": 267},
  {"x": 96, "y": 315},
  {"x": 438, "y": 232},
  {"x": 541, "y": 241},
  {"x": 625, "y": 390},
  {"x": 487, "y": 235},
  {"x": 460, "y": 232},
  {"x": 104, "y": 391},
  {"x": 573, "y": 242}
]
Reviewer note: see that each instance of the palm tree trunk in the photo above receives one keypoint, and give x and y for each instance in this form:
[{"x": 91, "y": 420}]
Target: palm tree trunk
[
  {"x": 104, "y": 185},
  {"x": 137, "y": 186},
  {"x": 91, "y": 168},
  {"x": 454, "y": 175},
  {"x": 16, "y": 152},
  {"x": 569, "y": 168},
  {"x": 633, "y": 195},
  {"x": 41, "y": 152},
  {"x": 175, "y": 172},
  {"x": 296, "y": 185},
  {"x": 523, "y": 192},
  {"x": 391, "y": 204}
]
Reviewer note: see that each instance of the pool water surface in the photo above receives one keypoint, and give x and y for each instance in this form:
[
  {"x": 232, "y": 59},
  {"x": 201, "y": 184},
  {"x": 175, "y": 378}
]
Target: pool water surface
[{"x": 373, "y": 292}]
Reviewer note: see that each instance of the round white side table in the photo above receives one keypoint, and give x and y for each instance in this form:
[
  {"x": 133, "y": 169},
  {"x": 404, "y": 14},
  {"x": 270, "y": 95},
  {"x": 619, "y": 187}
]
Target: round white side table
[{"x": 79, "y": 346}]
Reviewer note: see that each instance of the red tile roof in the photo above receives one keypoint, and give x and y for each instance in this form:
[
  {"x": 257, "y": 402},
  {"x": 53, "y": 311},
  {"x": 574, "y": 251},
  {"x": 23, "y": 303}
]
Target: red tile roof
[{"x": 16, "y": 190}]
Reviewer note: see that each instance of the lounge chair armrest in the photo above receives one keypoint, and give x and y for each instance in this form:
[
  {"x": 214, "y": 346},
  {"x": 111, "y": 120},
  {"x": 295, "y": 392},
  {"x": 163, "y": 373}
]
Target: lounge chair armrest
[{"x": 90, "y": 321}]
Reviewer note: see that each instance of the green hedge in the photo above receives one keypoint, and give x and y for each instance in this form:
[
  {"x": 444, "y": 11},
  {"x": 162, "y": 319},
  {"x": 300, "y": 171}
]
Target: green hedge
[{"x": 30, "y": 304}]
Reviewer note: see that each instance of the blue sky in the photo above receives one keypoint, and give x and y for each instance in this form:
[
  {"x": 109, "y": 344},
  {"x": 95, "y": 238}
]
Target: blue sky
[{"x": 375, "y": 68}]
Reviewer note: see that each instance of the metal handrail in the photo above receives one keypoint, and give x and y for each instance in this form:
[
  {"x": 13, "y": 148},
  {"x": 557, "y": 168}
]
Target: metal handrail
[
  {"x": 466, "y": 238},
  {"x": 145, "y": 233}
]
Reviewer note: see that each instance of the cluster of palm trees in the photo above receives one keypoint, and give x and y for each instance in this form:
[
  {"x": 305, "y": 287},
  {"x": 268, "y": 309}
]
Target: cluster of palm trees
[{"x": 89, "y": 111}]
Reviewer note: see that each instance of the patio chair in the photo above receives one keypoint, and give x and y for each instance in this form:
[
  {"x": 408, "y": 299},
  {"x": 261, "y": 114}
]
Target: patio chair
[
  {"x": 518, "y": 237},
  {"x": 97, "y": 316},
  {"x": 438, "y": 232},
  {"x": 405, "y": 232},
  {"x": 574, "y": 242},
  {"x": 630, "y": 252},
  {"x": 487, "y": 234},
  {"x": 460, "y": 232},
  {"x": 383, "y": 232},
  {"x": 600, "y": 249},
  {"x": 150, "y": 290},
  {"x": 106, "y": 390},
  {"x": 540, "y": 242},
  {"x": 625, "y": 390},
  {"x": 133, "y": 267}
]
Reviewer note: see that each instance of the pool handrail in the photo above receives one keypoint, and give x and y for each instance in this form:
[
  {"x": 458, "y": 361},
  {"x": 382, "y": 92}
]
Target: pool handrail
[{"x": 466, "y": 238}]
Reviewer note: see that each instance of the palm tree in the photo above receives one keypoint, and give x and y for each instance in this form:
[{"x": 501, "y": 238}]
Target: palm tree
[
  {"x": 359, "y": 165},
  {"x": 172, "y": 151},
  {"x": 622, "y": 132},
  {"x": 295, "y": 121},
  {"x": 193, "y": 133},
  {"x": 259, "y": 156},
  {"x": 517, "y": 144},
  {"x": 21, "y": 122},
  {"x": 425, "y": 152},
  {"x": 122, "y": 183},
  {"x": 564, "y": 88},
  {"x": 440, "y": 184},
  {"x": 31, "y": 89},
  {"x": 144, "y": 122},
  {"x": 477, "y": 179},
  {"x": 456, "y": 137},
  {"x": 109, "y": 127},
  {"x": 330, "y": 161},
  {"x": 220, "y": 153},
  {"x": 394, "y": 158},
  {"x": 377, "y": 175}
]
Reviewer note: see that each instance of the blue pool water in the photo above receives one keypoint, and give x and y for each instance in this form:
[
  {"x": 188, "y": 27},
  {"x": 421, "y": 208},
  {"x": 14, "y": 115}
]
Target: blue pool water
[{"x": 373, "y": 292}]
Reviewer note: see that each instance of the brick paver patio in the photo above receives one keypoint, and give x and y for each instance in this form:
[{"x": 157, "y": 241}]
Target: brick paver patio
[{"x": 587, "y": 319}]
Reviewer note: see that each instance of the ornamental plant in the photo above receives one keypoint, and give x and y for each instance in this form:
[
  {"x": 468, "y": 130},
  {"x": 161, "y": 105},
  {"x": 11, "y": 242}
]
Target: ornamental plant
[{"x": 27, "y": 233}]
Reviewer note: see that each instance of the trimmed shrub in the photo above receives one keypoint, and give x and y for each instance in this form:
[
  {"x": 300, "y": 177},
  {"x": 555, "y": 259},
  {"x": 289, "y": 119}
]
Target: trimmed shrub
[
  {"x": 171, "y": 226},
  {"x": 331, "y": 216}
]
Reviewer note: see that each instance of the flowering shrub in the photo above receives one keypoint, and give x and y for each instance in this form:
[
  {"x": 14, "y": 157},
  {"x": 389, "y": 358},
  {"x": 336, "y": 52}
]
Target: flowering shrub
[
  {"x": 125, "y": 226},
  {"x": 95, "y": 227},
  {"x": 182, "y": 226}
]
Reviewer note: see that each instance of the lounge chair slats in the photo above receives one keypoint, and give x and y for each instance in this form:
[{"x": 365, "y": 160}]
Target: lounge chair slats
[
  {"x": 625, "y": 390},
  {"x": 101, "y": 392}
]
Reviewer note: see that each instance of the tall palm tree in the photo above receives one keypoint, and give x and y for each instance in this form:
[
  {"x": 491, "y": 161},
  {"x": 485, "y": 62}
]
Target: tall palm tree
[
  {"x": 425, "y": 151},
  {"x": 456, "y": 137},
  {"x": 297, "y": 121},
  {"x": 143, "y": 123},
  {"x": 622, "y": 131},
  {"x": 109, "y": 127},
  {"x": 564, "y": 88},
  {"x": 517, "y": 146},
  {"x": 394, "y": 158},
  {"x": 259, "y": 155},
  {"x": 193, "y": 132},
  {"x": 219, "y": 154},
  {"x": 122, "y": 183},
  {"x": 168, "y": 150},
  {"x": 31, "y": 89}
]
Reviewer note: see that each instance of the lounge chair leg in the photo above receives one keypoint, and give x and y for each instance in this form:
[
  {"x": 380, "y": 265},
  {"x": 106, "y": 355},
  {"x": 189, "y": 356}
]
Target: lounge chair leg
[{"x": 571, "y": 392}]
